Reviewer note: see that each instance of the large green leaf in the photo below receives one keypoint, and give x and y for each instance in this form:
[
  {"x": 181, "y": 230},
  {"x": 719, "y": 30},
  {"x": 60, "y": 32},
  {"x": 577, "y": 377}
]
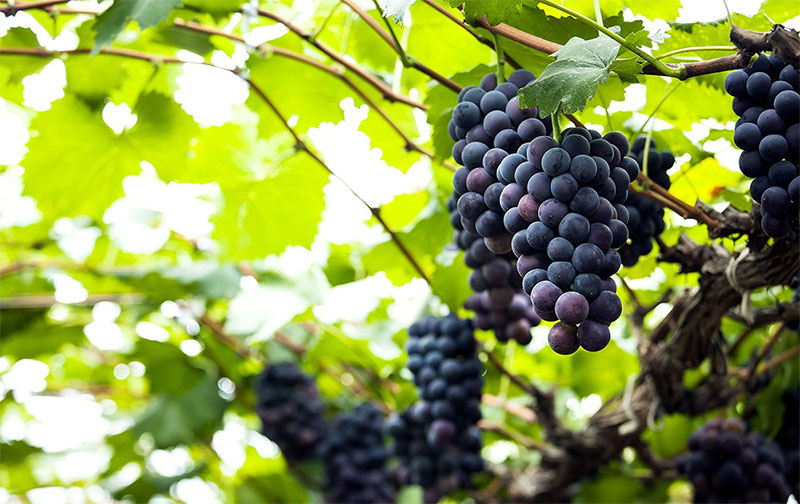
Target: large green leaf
[
  {"x": 146, "y": 13},
  {"x": 74, "y": 151},
  {"x": 570, "y": 81}
]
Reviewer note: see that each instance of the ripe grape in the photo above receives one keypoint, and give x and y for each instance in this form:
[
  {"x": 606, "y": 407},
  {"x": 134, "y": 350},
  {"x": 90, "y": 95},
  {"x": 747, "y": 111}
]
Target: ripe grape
[
  {"x": 355, "y": 458},
  {"x": 291, "y": 413},
  {"x": 769, "y": 133}
]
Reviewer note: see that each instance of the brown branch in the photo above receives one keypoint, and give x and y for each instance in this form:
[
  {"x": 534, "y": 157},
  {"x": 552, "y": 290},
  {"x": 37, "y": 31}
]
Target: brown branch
[
  {"x": 378, "y": 84},
  {"x": 780, "y": 359},
  {"x": 574, "y": 120},
  {"x": 520, "y": 36},
  {"x": 409, "y": 144},
  {"x": 663, "y": 197},
  {"x": 10, "y": 10},
  {"x": 523, "y": 413},
  {"x": 463, "y": 24},
  {"x": 375, "y": 210},
  {"x": 441, "y": 79},
  {"x": 716, "y": 65},
  {"x": 525, "y": 441},
  {"x": 48, "y": 300}
]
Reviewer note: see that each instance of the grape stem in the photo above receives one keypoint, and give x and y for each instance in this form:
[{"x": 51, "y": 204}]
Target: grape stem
[
  {"x": 501, "y": 60},
  {"x": 21, "y": 6},
  {"x": 460, "y": 22},
  {"x": 378, "y": 84},
  {"x": 412, "y": 63},
  {"x": 397, "y": 45},
  {"x": 556, "y": 117},
  {"x": 669, "y": 71},
  {"x": 409, "y": 144},
  {"x": 696, "y": 49}
]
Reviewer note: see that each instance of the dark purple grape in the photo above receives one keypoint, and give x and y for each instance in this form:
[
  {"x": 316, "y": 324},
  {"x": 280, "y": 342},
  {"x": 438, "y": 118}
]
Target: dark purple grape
[
  {"x": 495, "y": 122},
  {"x": 574, "y": 227},
  {"x": 593, "y": 335},
  {"x": 470, "y": 205},
  {"x": 588, "y": 258},
  {"x": 564, "y": 187},
  {"x": 539, "y": 186},
  {"x": 562, "y": 274},
  {"x": 551, "y": 212},
  {"x": 530, "y": 129},
  {"x": 544, "y": 296},
  {"x": 736, "y": 83},
  {"x": 537, "y": 149},
  {"x": 539, "y": 236},
  {"x": 587, "y": 285},
  {"x": 773, "y": 148},
  {"x": 492, "y": 159},
  {"x": 560, "y": 249},
  {"x": 555, "y": 162},
  {"x": 758, "y": 85},
  {"x": 508, "y": 89},
  {"x": 606, "y": 308},
  {"x": 489, "y": 82},
  {"x": 510, "y": 196},
  {"x": 466, "y": 115},
  {"x": 563, "y": 339},
  {"x": 572, "y": 308},
  {"x": 787, "y": 104},
  {"x": 493, "y": 100},
  {"x": 508, "y": 140},
  {"x": 747, "y": 136},
  {"x": 775, "y": 201}
]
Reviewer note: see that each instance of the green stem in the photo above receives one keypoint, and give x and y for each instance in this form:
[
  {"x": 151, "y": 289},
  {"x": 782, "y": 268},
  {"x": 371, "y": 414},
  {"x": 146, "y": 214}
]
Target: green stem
[
  {"x": 598, "y": 14},
  {"x": 655, "y": 110},
  {"x": 556, "y": 118},
  {"x": 646, "y": 151},
  {"x": 696, "y": 49},
  {"x": 319, "y": 30},
  {"x": 665, "y": 69},
  {"x": 501, "y": 59},
  {"x": 605, "y": 109},
  {"x": 403, "y": 57}
]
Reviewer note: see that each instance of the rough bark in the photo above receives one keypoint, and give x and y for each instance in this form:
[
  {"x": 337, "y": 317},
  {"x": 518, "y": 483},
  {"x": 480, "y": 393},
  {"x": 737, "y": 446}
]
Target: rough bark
[{"x": 683, "y": 339}]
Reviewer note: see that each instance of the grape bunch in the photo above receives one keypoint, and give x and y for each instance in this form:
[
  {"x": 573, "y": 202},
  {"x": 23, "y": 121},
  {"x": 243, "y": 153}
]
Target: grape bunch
[
  {"x": 355, "y": 458},
  {"x": 290, "y": 410},
  {"x": 436, "y": 439},
  {"x": 491, "y": 134},
  {"x": 489, "y": 128},
  {"x": 645, "y": 218},
  {"x": 571, "y": 221},
  {"x": 725, "y": 464},
  {"x": 766, "y": 99}
]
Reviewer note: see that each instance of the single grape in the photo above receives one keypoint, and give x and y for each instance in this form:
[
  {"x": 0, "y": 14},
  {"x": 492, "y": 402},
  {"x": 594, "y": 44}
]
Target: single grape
[
  {"x": 593, "y": 336},
  {"x": 606, "y": 308},
  {"x": 563, "y": 339},
  {"x": 572, "y": 308},
  {"x": 466, "y": 115}
]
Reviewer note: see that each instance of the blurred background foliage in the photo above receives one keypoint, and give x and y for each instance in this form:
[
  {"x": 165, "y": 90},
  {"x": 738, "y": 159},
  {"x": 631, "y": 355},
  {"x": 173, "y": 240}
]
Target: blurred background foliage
[{"x": 162, "y": 236}]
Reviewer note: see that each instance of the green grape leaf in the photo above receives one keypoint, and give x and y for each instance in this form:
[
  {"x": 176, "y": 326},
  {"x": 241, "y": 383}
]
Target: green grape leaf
[
  {"x": 102, "y": 158},
  {"x": 572, "y": 80},
  {"x": 146, "y": 13},
  {"x": 266, "y": 215},
  {"x": 496, "y": 11},
  {"x": 174, "y": 420}
]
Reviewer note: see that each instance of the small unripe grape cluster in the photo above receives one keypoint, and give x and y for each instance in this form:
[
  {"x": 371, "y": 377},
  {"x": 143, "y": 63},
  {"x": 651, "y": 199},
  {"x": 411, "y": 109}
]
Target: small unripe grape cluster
[
  {"x": 645, "y": 218},
  {"x": 766, "y": 99},
  {"x": 726, "y": 464},
  {"x": 568, "y": 225},
  {"x": 291, "y": 413},
  {"x": 355, "y": 458},
  {"x": 437, "y": 440}
]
